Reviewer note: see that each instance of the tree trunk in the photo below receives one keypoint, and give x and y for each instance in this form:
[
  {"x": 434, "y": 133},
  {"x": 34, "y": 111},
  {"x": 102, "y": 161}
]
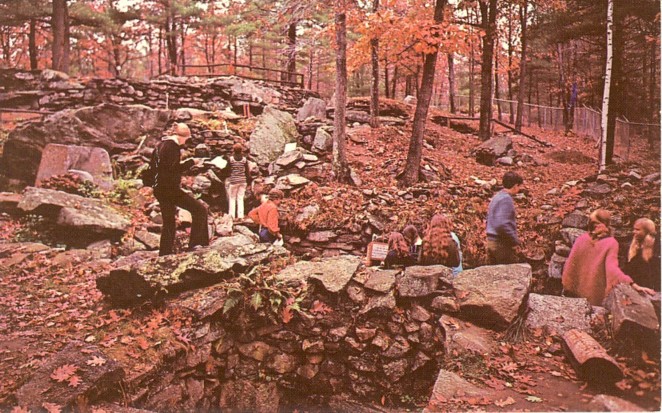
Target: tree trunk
[
  {"x": 386, "y": 82},
  {"x": 410, "y": 175},
  {"x": 616, "y": 95},
  {"x": 488, "y": 14},
  {"x": 523, "y": 12},
  {"x": 510, "y": 65},
  {"x": 32, "y": 44},
  {"x": 654, "y": 107},
  {"x": 374, "y": 85},
  {"x": 496, "y": 88},
  {"x": 171, "y": 40},
  {"x": 472, "y": 61},
  {"x": 607, "y": 86},
  {"x": 340, "y": 164},
  {"x": 292, "y": 51},
  {"x": 310, "y": 69},
  {"x": 160, "y": 49},
  {"x": 563, "y": 87},
  {"x": 451, "y": 83},
  {"x": 395, "y": 81},
  {"x": 60, "y": 24}
]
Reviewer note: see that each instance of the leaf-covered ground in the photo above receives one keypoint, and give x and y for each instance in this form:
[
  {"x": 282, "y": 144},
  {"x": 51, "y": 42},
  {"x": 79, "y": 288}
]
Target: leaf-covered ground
[{"x": 46, "y": 300}]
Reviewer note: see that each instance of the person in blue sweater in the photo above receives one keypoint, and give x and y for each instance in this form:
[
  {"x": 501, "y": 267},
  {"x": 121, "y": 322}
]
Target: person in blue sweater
[{"x": 501, "y": 222}]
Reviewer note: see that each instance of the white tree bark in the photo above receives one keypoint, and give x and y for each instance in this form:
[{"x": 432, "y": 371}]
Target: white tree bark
[{"x": 605, "y": 99}]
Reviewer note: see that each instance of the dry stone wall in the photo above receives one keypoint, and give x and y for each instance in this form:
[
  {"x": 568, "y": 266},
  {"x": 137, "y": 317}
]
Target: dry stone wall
[{"x": 54, "y": 91}]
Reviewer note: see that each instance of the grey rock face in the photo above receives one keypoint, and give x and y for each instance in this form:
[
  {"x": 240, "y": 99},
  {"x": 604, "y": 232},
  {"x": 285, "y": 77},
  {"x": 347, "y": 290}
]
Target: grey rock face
[
  {"x": 558, "y": 314},
  {"x": 492, "y": 295},
  {"x": 273, "y": 130}
]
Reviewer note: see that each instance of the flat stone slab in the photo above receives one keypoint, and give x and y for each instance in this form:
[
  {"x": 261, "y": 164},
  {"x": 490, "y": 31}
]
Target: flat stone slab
[
  {"x": 420, "y": 281},
  {"x": 633, "y": 315},
  {"x": 72, "y": 211},
  {"x": 95, "y": 374},
  {"x": 492, "y": 295},
  {"x": 169, "y": 274},
  {"x": 333, "y": 273},
  {"x": 58, "y": 159},
  {"x": 556, "y": 314}
]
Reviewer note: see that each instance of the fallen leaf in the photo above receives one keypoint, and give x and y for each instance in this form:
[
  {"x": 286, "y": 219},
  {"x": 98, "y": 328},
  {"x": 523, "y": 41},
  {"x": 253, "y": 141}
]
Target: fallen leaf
[
  {"x": 533, "y": 399},
  {"x": 96, "y": 361},
  {"x": 74, "y": 381},
  {"x": 20, "y": 409},
  {"x": 505, "y": 402},
  {"x": 63, "y": 373},
  {"x": 52, "y": 407},
  {"x": 142, "y": 343}
]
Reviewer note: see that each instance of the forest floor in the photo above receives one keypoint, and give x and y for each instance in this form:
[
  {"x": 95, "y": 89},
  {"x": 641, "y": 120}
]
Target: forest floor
[{"x": 47, "y": 300}]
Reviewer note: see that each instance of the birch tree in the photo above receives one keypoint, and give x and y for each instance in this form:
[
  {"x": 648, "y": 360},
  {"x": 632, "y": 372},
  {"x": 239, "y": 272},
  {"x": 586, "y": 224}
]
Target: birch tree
[{"x": 605, "y": 98}]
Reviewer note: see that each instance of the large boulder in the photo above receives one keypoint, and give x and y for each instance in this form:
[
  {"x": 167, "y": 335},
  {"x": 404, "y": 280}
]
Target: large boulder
[
  {"x": 633, "y": 316},
  {"x": 333, "y": 273},
  {"x": 274, "y": 129},
  {"x": 88, "y": 217},
  {"x": 58, "y": 159},
  {"x": 111, "y": 127},
  {"x": 492, "y": 149},
  {"x": 556, "y": 314},
  {"x": 94, "y": 371},
  {"x": 169, "y": 274},
  {"x": 492, "y": 295},
  {"x": 313, "y": 107}
]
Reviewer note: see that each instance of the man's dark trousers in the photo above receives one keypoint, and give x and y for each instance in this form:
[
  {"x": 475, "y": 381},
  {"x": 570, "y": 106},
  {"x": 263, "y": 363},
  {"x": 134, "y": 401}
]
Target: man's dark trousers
[{"x": 169, "y": 201}]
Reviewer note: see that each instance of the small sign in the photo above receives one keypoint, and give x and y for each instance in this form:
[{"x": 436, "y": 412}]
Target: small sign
[{"x": 377, "y": 251}]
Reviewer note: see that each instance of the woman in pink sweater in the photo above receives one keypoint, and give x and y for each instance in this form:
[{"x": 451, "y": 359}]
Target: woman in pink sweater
[{"x": 591, "y": 270}]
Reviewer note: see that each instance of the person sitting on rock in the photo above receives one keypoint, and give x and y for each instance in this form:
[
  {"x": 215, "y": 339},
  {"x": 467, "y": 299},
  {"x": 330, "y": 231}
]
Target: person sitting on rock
[
  {"x": 168, "y": 192},
  {"x": 398, "y": 251},
  {"x": 266, "y": 216},
  {"x": 591, "y": 270},
  {"x": 438, "y": 246},
  {"x": 643, "y": 260},
  {"x": 237, "y": 181},
  {"x": 414, "y": 241}
]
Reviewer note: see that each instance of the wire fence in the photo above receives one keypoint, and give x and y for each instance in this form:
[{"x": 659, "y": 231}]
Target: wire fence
[{"x": 630, "y": 137}]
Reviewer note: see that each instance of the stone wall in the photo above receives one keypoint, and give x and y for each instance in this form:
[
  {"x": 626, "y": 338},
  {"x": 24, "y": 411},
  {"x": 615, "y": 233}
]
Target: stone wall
[
  {"x": 362, "y": 332},
  {"x": 48, "y": 90}
]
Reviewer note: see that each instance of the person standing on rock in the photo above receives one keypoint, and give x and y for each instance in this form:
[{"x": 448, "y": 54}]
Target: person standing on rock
[
  {"x": 168, "y": 191},
  {"x": 501, "y": 222},
  {"x": 591, "y": 270},
  {"x": 237, "y": 182},
  {"x": 266, "y": 216}
]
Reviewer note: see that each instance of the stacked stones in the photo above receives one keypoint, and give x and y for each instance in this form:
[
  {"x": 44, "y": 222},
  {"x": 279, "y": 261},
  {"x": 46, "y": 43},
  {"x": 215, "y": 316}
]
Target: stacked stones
[{"x": 54, "y": 91}]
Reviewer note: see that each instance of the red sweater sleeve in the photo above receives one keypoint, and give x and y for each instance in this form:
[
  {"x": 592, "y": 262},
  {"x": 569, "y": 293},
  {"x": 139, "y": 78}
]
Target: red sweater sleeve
[{"x": 272, "y": 220}]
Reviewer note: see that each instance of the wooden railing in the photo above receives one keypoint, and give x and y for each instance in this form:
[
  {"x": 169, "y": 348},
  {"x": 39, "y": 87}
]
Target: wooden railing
[{"x": 282, "y": 77}]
